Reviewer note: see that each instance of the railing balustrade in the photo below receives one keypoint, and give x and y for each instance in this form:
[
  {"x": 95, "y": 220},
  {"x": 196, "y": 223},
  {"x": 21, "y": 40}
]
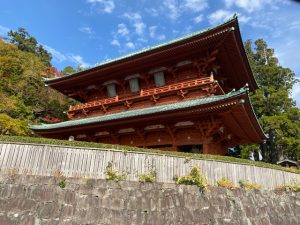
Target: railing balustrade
[{"x": 143, "y": 93}]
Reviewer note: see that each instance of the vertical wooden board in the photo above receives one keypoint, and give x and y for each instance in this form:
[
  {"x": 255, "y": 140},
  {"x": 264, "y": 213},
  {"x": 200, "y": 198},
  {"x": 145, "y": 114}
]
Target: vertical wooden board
[
  {"x": 98, "y": 166},
  {"x": 92, "y": 164},
  {"x": 64, "y": 163},
  {"x": 58, "y": 153},
  {"x": 16, "y": 156},
  {"x": 38, "y": 157},
  {"x": 77, "y": 163},
  {"x": 72, "y": 162},
  {"x": 4, "y": 155},
  {"x": 27, "y": 164},
  {"x": 10, "y": 156},
  {"x": 88, "y": 163},
  {"x": 84, "y": 159},
  {"x": 48, "y": 159},
  {"x": 22, "y": 167},
  {"x": 2, "y": 151}
]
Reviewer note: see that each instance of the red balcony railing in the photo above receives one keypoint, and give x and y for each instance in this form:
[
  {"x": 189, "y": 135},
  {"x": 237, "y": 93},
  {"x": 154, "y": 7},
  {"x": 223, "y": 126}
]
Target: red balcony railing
[
  {"x": 144, "y": 93},
  {"x": 94, "y": 103},
  {"x": 177, "y": 86}
]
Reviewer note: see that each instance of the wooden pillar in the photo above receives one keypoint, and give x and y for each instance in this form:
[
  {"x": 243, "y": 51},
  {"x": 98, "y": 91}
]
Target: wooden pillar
[{"x": 213, "y": 148}]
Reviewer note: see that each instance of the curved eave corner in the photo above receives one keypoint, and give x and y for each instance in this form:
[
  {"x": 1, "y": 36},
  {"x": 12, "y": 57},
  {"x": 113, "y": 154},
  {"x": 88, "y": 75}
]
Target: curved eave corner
[
  {"x": 261, "y": 131},
  {"x": 254, "y": 84}
]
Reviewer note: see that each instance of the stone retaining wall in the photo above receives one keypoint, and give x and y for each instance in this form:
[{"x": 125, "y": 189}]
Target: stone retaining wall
[{"x": 37, "y": 200}]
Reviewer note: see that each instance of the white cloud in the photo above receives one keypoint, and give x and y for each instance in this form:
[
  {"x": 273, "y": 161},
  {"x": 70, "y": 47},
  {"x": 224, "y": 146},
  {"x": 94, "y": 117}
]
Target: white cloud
[
  {"x": 57, "y": 56},
  {"x": 86, "y": 29},
  {"x": 79, "y": 61},
  {"x": 294, "y": 25},
  {"x": 198, "y": 19},
  {"x": 249, "y": 5},
  {"x": 122, "y": 29},
  {"x": 154, "y": 34},
  {"x": 195, "y": 5},
  {"x": 130, "y": 45},
  {"x": 115, "y": 42},
  {"x": 172, "y": 8},
  {"x": 4, "y": 30},
  {"x": 219, "y": 16},
  {"x": 106, "y": 5},
  {"x": 137, "y": 22},
  {"x": 60, "y": 57}
]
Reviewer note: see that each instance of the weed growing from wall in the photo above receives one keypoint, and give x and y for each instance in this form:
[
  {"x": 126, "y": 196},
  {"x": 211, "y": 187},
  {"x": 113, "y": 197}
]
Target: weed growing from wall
[
  {"x": 196, "y": 177},
  {"x": 62, "y": 183},
  {"x": 148, "y": 177},
  {"x": 60, "y": 178},
  {"x": 226, "y": 183},
  {"x": 294, "y": 187},
  {"x": 247, "y": 185},
  {"x": 113, "y": 174}
]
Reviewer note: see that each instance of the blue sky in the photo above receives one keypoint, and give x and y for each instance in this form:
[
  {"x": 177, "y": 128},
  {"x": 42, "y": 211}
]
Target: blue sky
[{"x": 86, "y": 32}]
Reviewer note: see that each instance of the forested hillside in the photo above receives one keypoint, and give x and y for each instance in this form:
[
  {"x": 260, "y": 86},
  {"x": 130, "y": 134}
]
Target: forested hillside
[{"x": 24, "y": 99}]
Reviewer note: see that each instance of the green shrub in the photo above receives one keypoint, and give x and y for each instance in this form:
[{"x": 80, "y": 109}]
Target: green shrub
[
  {"x": 196, "y": 177},
  {"x": 113, "y": 174},
  {"x": 247, "y": 185},
  {"x": 226, "y": 183},
  {"x": 147, "y": 177}
]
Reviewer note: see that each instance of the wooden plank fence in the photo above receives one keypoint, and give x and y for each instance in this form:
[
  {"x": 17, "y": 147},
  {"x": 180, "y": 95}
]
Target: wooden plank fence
[{"x": 45, "y": 160}]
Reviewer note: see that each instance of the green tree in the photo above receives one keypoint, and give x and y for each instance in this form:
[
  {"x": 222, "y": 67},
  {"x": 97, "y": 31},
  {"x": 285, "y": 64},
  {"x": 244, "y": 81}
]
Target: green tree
[
  {"x": 273, "y": 105},
  {"x": 25, "y": 42},
  {"x": 68, "y": 70}
]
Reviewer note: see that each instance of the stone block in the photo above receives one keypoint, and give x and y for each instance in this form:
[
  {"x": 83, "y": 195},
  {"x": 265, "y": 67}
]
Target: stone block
[
  {"x": 27, "y": 220},
  {"x": 5, "y": 220},
  {"x": 68, "y": 196},
  {"x": 48, "y": 210},
  {"x": 45, "y": 193},
  {"x": 67, "y": 211}
]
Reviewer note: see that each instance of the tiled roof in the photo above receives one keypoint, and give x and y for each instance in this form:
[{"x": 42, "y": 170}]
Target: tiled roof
[
  {"x": 142, "y": 112},
  {"x": 148, "y": 49}
]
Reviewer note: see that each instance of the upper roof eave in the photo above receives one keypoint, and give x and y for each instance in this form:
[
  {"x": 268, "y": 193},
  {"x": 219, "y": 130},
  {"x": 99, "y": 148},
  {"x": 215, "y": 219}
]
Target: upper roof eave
[{"x": 232, "y": 20}]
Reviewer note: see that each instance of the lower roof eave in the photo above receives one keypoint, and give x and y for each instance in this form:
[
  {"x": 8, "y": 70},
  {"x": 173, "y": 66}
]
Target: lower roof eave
[{"x": 205, "y": 105}]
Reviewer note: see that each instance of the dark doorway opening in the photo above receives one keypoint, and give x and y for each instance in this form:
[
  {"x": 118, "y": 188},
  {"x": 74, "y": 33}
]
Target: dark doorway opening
[
  {"x": 159, "y": 146},
  {"x": 190, "y": 148}
]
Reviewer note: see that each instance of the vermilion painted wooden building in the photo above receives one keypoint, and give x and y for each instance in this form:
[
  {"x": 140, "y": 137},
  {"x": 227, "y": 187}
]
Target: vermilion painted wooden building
[{"x": 190, "y": 94}]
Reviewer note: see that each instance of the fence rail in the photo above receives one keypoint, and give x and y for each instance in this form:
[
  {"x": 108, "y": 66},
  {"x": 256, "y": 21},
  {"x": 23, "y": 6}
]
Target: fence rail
[{"x": 45, "y": 160}]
